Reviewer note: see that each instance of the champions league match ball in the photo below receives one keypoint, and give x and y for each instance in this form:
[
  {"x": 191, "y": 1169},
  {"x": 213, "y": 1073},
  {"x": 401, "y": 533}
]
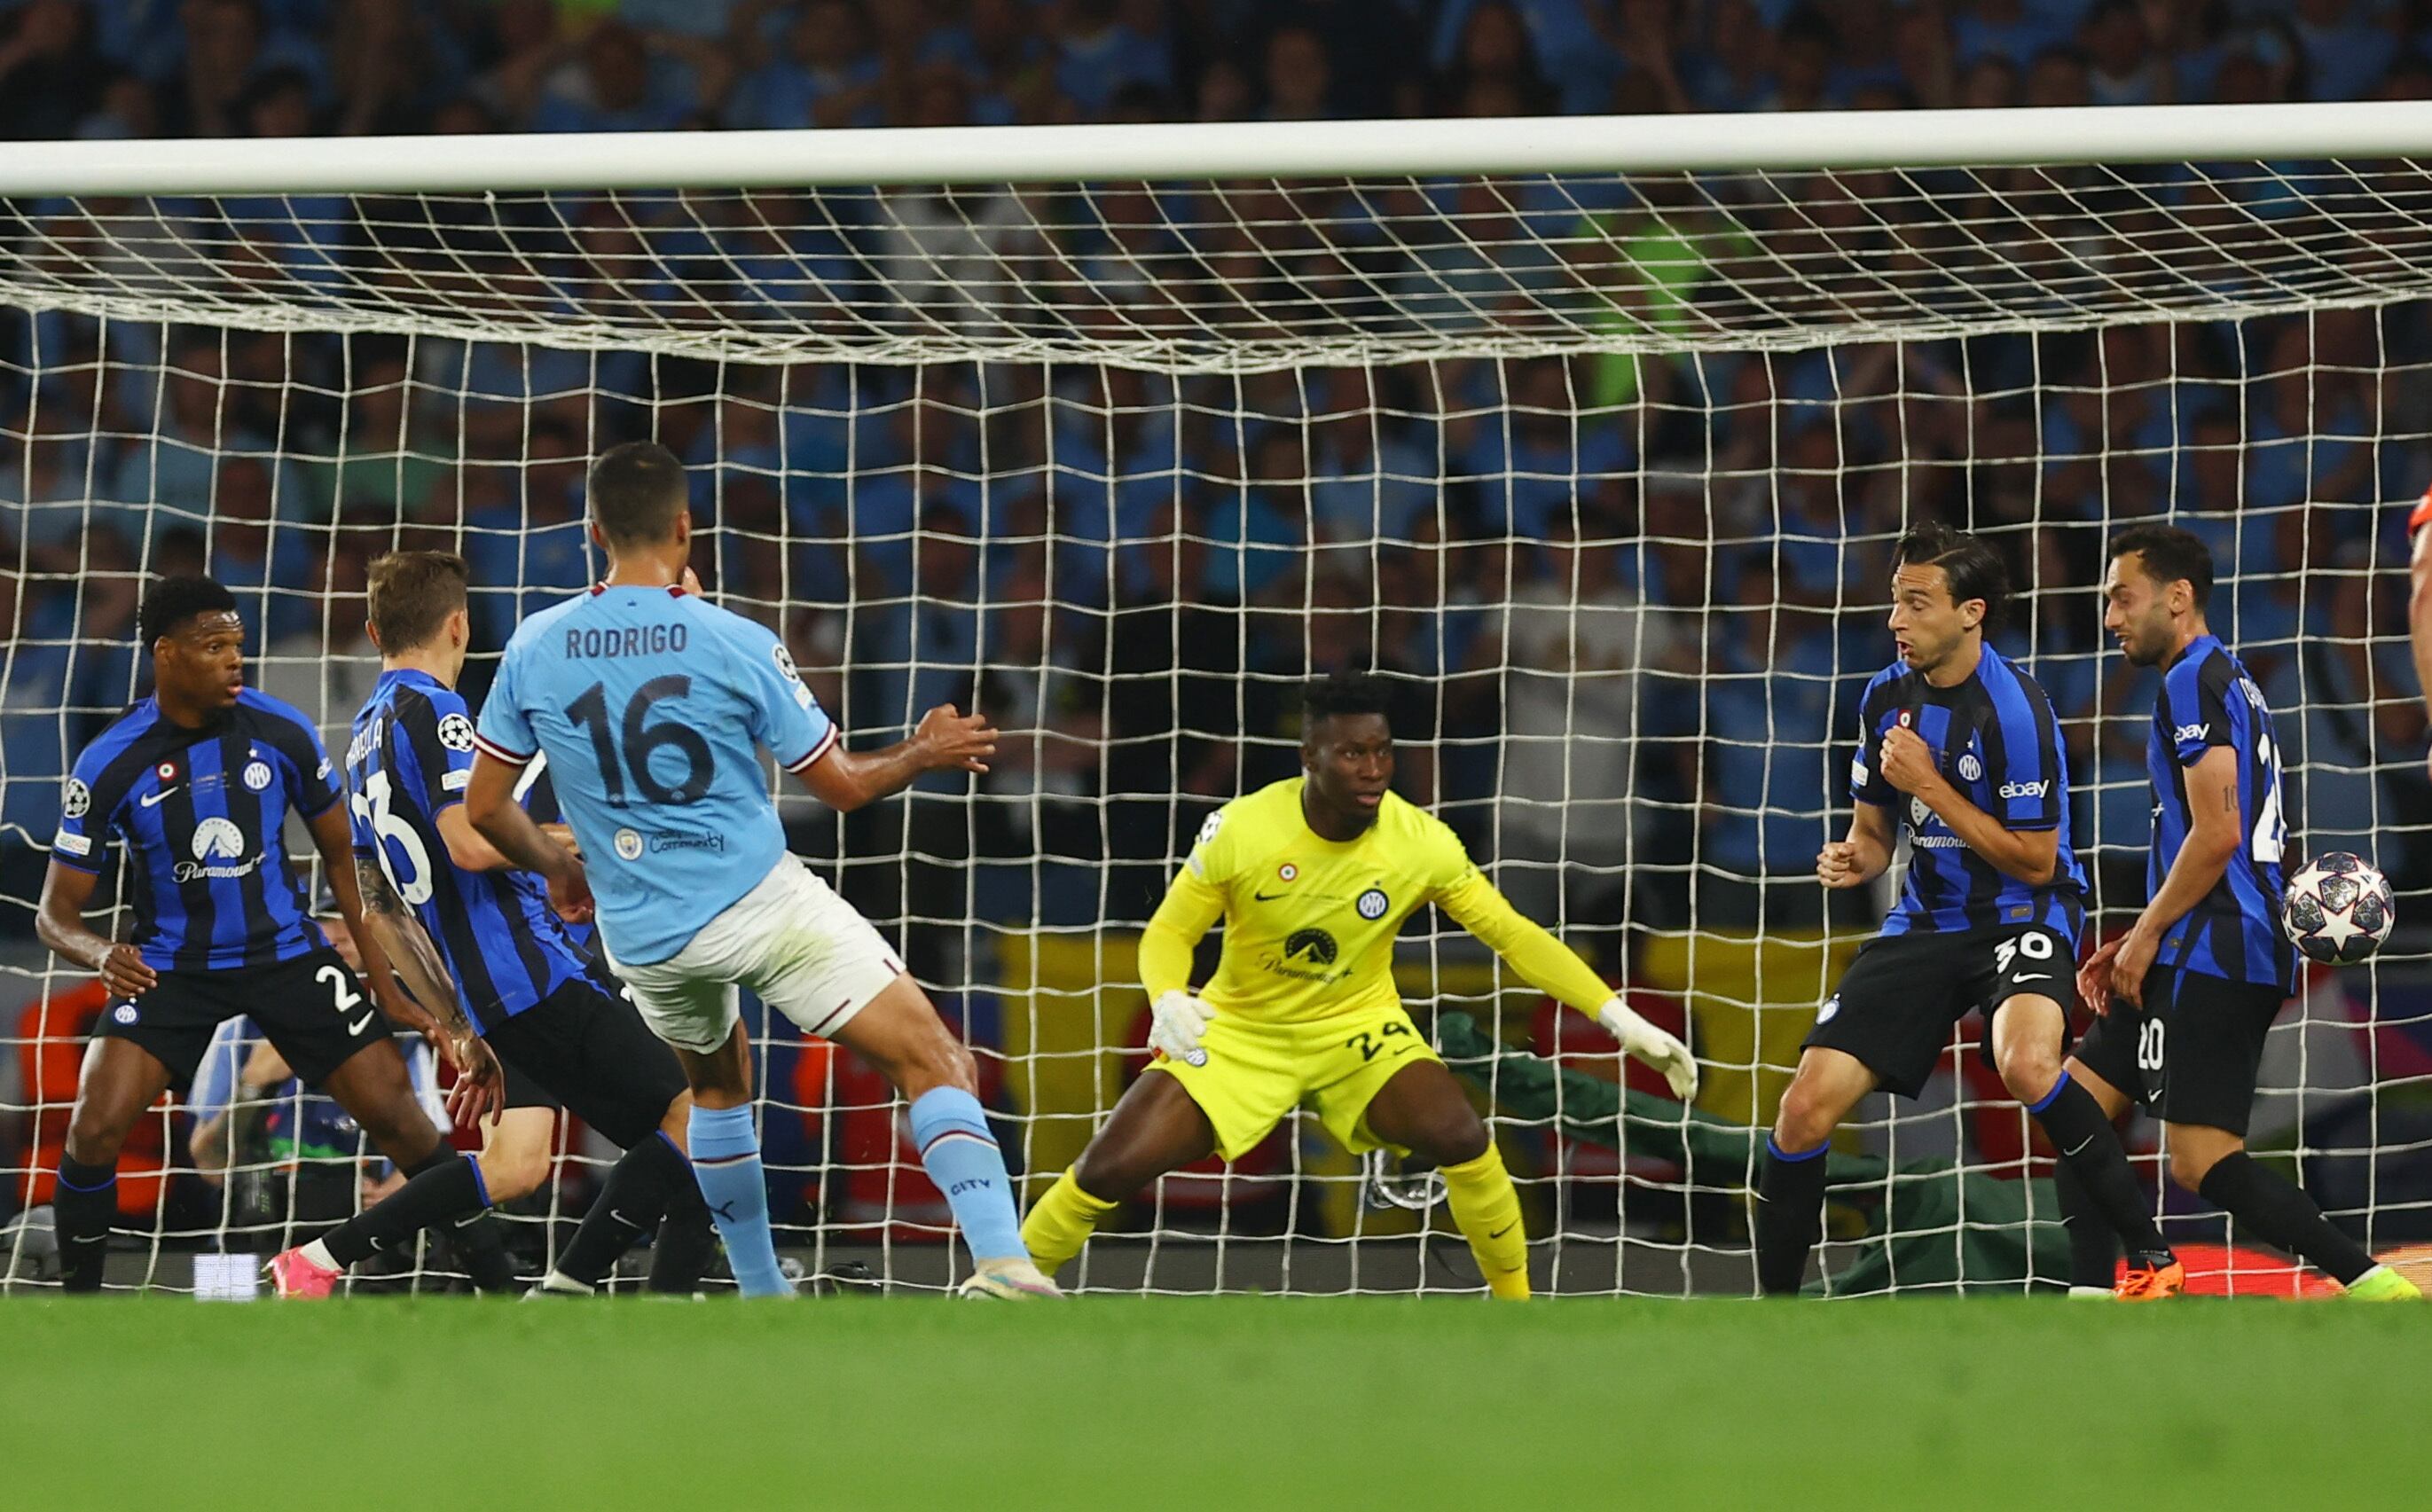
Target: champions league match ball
[{"x": 2338, "y": 908}]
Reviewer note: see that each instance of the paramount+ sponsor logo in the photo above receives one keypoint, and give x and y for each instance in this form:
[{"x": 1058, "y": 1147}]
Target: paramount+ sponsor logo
[
  {"x": 219, "y": 852},
  {"x": 1309, "y": 954}
]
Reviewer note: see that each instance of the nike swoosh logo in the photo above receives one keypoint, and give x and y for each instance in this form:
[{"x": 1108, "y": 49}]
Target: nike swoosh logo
[
  {"x": 1501, "y": 1232},
  {"x": 2080, "y": 1149},
  {"x": 155, "y": 800},
  {"x": 1267, "y": 897},
  {"x": 362, "y": 1024},
  {"x": 2037, "y": 977}
]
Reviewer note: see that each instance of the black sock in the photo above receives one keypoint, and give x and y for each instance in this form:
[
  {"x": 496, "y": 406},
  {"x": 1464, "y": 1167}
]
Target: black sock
[
  {"x": 441, "y": 1188},
  {"x": 2090, "y": 1148},
  {"x": 687, "y": 1240},
  {"x": 2093, "y": 1248},
  {"x": 82, "y": 1210},
  {"x": 630, "y": 1205},
  {"x": 2270, "y": 1204},
  {"x": 1789, "y": 1218},
  {"x": 482, "y": 1244}
]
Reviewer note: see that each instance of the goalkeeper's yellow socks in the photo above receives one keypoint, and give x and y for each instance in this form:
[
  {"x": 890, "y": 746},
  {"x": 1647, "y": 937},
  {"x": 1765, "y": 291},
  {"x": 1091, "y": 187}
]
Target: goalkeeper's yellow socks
[
  {"x": 1060, "y": 1222},
  {"x": 1488, "y": 1211}
]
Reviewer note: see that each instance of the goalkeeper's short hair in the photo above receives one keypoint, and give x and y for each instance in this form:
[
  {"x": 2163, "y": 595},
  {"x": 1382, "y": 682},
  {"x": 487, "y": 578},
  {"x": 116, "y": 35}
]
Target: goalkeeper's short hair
[{"x": 1344, "y": 692}]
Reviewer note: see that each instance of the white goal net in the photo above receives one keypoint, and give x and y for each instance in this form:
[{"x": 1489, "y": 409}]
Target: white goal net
[{"x": 1599, "y": 467}]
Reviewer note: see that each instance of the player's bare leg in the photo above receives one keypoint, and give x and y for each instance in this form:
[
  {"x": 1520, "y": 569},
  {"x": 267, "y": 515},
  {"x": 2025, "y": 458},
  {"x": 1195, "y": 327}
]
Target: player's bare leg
[
  {"x": 1423, "y": 1110},
  {"x": 373, "y": 1087},
  {"x": 515, "y": 1152},
  {"x": 2027, "y": 1033},
  {"x": 1157, "y": 1126},
  {"x": 120, "y": 1080},
  {"x": 1789, "y": 1217},
  {"x": 899, "y": 1033}
]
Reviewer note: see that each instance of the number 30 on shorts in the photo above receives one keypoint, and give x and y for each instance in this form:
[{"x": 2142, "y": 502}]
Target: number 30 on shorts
[{"x": 2034, "y": 946}]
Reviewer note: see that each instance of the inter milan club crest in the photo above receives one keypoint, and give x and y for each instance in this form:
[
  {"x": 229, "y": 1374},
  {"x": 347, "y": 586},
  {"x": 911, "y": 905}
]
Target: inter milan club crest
[
  {"x": 1372, "y": 903},
  {"x": 1970, "y": 767},
  {"x": 257, "y": 776}
]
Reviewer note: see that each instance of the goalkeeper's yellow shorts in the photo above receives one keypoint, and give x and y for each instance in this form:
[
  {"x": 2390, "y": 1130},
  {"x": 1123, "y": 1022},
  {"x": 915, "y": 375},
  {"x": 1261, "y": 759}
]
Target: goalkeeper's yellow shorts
[{"x": 1258, "y": 1073}]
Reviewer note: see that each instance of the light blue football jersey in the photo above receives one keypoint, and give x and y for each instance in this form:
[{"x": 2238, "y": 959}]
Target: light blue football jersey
[{"x": 649, "y": 704}]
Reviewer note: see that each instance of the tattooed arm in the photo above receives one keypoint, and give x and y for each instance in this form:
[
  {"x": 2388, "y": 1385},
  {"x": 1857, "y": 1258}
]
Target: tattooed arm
[{"x": 400, "y": 936}]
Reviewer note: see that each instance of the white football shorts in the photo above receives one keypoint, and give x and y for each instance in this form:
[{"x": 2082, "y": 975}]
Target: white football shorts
[{"x": 806, "y": 952}]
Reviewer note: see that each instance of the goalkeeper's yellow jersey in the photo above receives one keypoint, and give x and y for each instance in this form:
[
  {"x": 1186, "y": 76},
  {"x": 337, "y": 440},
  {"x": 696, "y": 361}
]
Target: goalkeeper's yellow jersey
[{"x": 1310, "y": 923}]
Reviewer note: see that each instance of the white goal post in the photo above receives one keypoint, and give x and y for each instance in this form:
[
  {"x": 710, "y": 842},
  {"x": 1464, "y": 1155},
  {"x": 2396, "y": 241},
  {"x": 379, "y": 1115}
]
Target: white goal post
[{"x": 1590, "y": 433}]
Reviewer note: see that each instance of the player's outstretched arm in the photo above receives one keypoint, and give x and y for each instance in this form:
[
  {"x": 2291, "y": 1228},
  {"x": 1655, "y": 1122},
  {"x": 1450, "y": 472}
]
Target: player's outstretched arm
[
  {"x": 59, "y": 922},
  {"x": 944, "y": 742},
  {"x": 481, "y": 1091},
  {"x": 490, "y": 803},
  {"x": 2033, "y": 856},
  {"x": 1861, "y": 857},
  {"x": 1553, "y": 969}
]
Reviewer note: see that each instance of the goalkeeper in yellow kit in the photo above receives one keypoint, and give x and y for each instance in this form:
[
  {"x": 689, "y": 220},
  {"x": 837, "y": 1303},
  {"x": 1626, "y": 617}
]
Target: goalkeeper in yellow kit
[{"x": 1315, "y": 876}]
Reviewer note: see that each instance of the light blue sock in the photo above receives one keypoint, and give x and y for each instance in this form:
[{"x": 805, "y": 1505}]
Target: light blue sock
[
  {"x": 726, "y": 1162},
  {"x": 961, "y": 1156}
]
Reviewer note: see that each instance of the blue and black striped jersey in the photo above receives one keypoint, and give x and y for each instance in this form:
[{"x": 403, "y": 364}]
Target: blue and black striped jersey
[
  {"x": 1996, "y": 741},
  {"x": 2233, "y": 931},
  {"x": 201, "y": 814},
  {"x": 410, "y": 759}
]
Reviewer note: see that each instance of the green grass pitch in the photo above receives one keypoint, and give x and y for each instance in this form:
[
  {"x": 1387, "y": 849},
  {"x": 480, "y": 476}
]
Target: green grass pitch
[{"x": 1240, "y": 1402}]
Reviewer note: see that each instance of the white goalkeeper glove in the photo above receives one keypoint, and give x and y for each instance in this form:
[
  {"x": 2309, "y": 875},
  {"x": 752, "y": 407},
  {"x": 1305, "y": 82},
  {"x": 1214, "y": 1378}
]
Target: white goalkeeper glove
[
  {"x": 1652, "y": 1046},
  {"x": 1177, "y": 1020}
]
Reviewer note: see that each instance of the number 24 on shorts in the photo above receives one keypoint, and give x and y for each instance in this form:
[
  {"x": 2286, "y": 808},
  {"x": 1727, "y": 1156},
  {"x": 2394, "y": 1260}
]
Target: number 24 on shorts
[{"x": 1368, "y": 1045}]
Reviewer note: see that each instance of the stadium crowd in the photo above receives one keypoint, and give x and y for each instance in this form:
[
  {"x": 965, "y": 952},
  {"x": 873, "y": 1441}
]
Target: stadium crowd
[{"x": 1632, "y": 597}]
